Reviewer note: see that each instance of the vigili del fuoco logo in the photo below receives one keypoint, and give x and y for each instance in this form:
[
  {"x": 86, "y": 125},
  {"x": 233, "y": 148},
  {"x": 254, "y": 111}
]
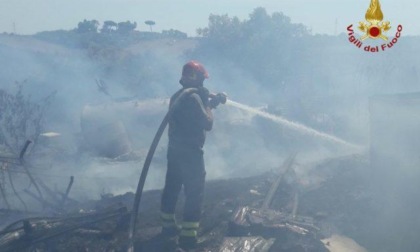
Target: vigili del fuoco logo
[{"x": 374, "y": 29}]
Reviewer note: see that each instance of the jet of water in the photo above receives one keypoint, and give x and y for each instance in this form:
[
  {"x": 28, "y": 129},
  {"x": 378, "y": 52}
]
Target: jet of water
[{"x": 291, "y": 125}]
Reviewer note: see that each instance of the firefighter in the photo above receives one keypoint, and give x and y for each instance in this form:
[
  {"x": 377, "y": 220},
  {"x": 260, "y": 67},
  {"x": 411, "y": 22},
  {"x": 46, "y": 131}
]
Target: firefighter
[{"x": 188, "y": 122}]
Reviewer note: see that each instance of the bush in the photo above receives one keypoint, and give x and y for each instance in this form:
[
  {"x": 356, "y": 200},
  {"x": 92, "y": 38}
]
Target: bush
[{"x": 20, "y": 119}]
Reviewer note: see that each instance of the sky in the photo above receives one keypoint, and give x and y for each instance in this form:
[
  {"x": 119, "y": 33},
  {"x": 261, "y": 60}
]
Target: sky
[{"x": 322, "y": 16}]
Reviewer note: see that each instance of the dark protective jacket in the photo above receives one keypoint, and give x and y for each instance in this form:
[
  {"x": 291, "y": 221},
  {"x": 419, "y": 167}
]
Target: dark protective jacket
[{"x": 190, "y": 120}]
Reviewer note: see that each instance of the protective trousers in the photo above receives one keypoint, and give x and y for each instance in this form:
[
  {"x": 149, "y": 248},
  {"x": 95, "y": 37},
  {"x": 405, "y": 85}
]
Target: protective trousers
[{"x": 185, "y": 168}]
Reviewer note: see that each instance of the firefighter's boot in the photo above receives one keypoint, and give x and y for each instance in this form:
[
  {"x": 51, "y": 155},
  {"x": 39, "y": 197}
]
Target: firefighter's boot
[
  {"x": 188, "y": 237},
  {"x": 169, "y": 227}
]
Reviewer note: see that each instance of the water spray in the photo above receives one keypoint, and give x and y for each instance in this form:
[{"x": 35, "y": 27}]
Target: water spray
[{"x": 291, "y": 125}]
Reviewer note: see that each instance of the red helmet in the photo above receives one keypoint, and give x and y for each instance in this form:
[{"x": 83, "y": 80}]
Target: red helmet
[{"x": 194, "y": 70}]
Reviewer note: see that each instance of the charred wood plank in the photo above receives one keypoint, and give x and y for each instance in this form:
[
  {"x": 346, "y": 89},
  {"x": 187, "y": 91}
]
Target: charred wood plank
[
  {"x": 66, "y": 195},
  {"x": 287, "y": 164},
  {"x": 22, "y": 162}
]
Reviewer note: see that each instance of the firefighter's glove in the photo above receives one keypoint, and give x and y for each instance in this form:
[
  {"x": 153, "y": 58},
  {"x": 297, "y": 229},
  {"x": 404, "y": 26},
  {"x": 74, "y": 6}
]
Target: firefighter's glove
[
  {"x": 217, "y": 99},
  {"x": 204, "y": 95}
]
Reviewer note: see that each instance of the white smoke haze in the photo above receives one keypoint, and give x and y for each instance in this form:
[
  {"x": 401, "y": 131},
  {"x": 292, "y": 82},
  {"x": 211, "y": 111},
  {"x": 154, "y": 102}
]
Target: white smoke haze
[
  {"x": 239, "y": 144},
  {"x": 321, "y": 110},
  {"x": 73, "y": 76}
]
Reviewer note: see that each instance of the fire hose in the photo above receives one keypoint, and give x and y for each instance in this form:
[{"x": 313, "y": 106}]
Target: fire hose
[{"x": 137, "y": 198}]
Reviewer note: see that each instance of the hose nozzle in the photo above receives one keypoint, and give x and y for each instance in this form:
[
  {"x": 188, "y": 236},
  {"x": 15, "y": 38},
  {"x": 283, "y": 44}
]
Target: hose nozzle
[{"x": 216, "y": 99}]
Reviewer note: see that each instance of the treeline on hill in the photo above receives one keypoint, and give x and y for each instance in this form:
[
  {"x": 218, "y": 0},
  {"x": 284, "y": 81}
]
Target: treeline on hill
[
  {"x": 264, "y": 45},
  {"x": 105, "y": 44},
  {"x": 90, "y": 33},
  {"x": 266, "y": 49},
  {"x": 269, "y": 47},
  {"x": 276, "y": 53}
]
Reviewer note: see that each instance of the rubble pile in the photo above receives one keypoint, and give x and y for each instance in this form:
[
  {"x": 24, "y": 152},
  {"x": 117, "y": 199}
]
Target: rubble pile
[{"x": 275, "y": 211}]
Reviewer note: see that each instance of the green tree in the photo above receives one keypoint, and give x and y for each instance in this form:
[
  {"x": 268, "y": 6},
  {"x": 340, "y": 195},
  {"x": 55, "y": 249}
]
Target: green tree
[
  {"x": 222, "y": 29},
  {"x": 150, "y": 23},
  {"x": 109, "y": 27},
  {"x": 87, "y": 26},
  {"x": 126, "y": 27},
  {"x": 20, "y": 119},
  {"x": 264, "y": 46}
]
